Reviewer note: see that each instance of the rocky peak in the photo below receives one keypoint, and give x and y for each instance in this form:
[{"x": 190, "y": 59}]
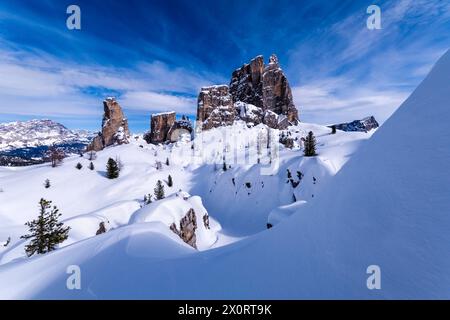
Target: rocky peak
[
  {"x": 260, "y": 94},
  {"x": 164, "y": 128},
  {"x": 246, "y": 82},
  {"x": 363, "y": 125},
  {"x": 160, "y": 125},
  {"x": 215, "y": 107},
  {"x": 114, "y": 127}
]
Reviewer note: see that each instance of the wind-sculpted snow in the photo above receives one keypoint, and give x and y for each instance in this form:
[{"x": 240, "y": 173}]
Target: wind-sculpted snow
[{"x": 139, "y": 256}]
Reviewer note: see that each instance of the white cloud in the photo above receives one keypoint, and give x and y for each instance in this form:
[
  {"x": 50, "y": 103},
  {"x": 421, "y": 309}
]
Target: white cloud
[
  {"x": 153, "y": 101},
  {"x": 45, "y": 86},
  {"x": 326, "y": 102}
]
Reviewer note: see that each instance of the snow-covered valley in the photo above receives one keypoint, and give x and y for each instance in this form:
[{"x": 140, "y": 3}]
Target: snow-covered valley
[
  {"x": 240, "y": 201},
  {"x": 270, "y": 222}
]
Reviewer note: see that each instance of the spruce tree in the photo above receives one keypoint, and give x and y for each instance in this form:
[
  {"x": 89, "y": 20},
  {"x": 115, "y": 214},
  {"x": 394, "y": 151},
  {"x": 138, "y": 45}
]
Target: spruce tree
[
  {"x": 112, "y": 169},
  {"x": 79, "y": 166},
  {"x": 46, "y": 232},
  {"x": 47, "y": 184},
  {"x": 167, "y": 162},
  {"x": 169, "y": 181},
  {"x": 159, "y": 190},
  {"x": 224, "y": 167},
  {"x": 310, "y": 145},
  {"x": 91, "y": 166},
  {"x": 148, "y": 199}
]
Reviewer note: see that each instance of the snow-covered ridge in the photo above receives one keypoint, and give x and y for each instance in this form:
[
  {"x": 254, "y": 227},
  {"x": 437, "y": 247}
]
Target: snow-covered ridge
[{"x": 35, "y": 133}]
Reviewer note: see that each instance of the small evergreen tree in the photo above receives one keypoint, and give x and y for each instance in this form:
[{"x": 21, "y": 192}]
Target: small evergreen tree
[
  {"x": 148, "y": 199},
  {"x": 289, "y": 174},
  {"x": 169, "y": 181},
  {"x": 167, "y": 162},
  {"x": 91, "y": 166},
  {"x": 224, "y": 167},
  {"x": 112, "y": 169},
  {"x": 159, "y": 190},
  {"x": 310, "y": 145},
  {"x": 47, "y": 184},
  {"x": 46, "y": 232},
  {"x": 79, "y": 166}
]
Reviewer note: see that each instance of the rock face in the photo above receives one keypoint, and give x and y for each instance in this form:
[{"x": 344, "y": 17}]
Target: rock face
[
  {"x": 101, "y": 229},
  {"x": 260, "y": 94},
  {"x": 363, "y": 125},
  {"x": 179, "y": 128},
  {"x": 215, "y": 107},
  {"x": 277, "y": 95},
  {"x": 188, "y": 225},
  {"x": 246, "y": 83},
  {"x": 114, "y": 127},
  {"x": 165, "y": 128},
  {"x": 160, "y": 126}
]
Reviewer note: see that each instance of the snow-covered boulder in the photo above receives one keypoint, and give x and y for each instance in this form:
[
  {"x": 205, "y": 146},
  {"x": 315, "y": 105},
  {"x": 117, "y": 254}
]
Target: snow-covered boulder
[{"x": 184, "y": 215}]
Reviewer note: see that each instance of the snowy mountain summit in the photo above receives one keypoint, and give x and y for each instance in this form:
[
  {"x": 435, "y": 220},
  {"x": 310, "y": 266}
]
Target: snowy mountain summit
[{"x": 35, "y": 133}]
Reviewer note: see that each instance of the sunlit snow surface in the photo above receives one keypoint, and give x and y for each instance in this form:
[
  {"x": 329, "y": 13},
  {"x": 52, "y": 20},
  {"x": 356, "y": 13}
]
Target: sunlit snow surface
[{"x": 388, "y": 206}]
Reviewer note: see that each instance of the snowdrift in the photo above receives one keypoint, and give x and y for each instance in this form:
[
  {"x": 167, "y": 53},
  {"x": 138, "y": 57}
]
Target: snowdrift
[{"x": 389, "y": 206}]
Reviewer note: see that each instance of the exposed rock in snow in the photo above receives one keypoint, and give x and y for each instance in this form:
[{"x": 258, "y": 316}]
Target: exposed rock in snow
[
  {"x": 180, "y": 130},
  {"x": 114, "y": 127},
  {"x": 277, "y": 95},
  {"x": 160, "y": 126},
  {"x": 165, "y": 128},
  {"x": 363, "y": 125},
  {"x": 215, "y": 107},
  {"x": 255, "y": 89},
  {"x": 188, "y": 225},
  {"x": 246, "y": 83}
]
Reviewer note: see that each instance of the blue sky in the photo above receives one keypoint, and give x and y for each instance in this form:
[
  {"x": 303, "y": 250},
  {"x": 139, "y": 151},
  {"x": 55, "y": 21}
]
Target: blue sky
[{"x": 155, "y": 55}]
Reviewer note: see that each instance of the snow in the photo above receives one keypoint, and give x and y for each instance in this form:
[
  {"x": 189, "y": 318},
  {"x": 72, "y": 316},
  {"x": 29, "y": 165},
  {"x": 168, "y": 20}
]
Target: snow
[
  {"x": 86, "y": 198},
  {"x": 382, "y": 201}
]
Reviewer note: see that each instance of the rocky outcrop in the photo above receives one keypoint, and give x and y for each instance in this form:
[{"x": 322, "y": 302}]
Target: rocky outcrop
[
  {"x": 363, "y": 125},
  {"x": 160, "y": 126},
  {"x": 260, "y": 94},
  {"x": 101, "y": 229},
  {"x": 246, "y": 83},
  {"x": 277, "y": 95},
  {"x": 215, "y": 107},
  {"x": 165, "y": 128},
  {"x": 178, "y": 129},
  {"x": 188, "y": 225},
  {"x": 114, "y": 127}
]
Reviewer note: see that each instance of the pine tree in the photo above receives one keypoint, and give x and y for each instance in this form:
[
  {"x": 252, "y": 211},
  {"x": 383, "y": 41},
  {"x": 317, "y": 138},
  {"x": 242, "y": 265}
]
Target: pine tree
[
  {"x": 148, "y": 199},
  {"x": 169, "y": 181},
  {"x": 79, "y": 166},
  {"x": 310, "y": 145},
  {"x": 289, "y": 174},
  {"x": 47, "y": 184},
  {"x": 112, "y": 169},
  {"x": 46, "y": 232},
  {"x": 224, "y": 167},
  {"x": 159, "y": 190},
  {"x": 91, "y": 166},
  {"x": 167, "y": 162}
]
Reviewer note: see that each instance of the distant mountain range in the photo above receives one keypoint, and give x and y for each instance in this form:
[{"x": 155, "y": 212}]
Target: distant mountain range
[{"x": 25, "y": 142}]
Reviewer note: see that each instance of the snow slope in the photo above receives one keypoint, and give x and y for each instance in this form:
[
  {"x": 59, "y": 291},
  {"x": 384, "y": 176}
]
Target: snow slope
[
  {"x": 86, "y": 198},
  {"x": 389, "y": 206}
]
